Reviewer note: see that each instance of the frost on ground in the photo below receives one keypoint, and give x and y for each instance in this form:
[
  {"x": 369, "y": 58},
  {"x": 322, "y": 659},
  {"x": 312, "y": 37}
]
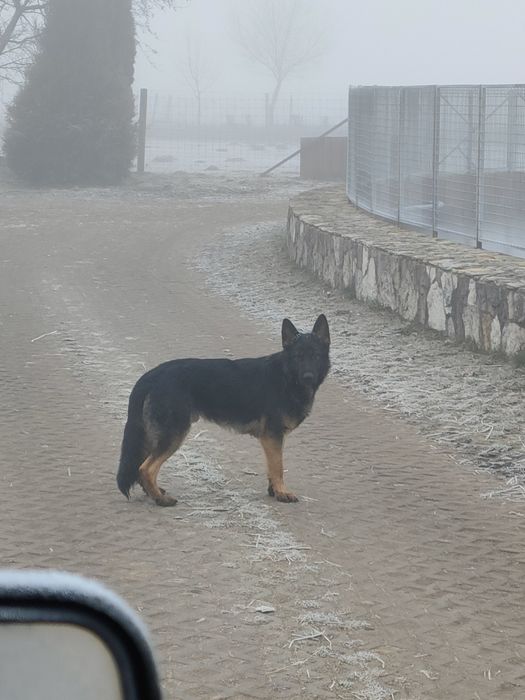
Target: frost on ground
[
  {"x": 217, "y": 501},
  {"x": 178, "y": 186},
  {"x": 468, "y": 402}
]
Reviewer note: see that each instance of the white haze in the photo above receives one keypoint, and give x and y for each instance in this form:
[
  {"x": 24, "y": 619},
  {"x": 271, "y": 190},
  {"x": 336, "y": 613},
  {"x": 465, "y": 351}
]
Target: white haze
[{"x": 371, "y": 42}]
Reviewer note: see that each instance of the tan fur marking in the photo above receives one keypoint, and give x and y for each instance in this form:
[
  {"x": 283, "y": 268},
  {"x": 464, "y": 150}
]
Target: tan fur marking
[
  {"x": 255, "y": 428},
  {"x": 290, "y": 423},
  {"x": 149, "y": 471},
  {"x": 273, "y": 449}
]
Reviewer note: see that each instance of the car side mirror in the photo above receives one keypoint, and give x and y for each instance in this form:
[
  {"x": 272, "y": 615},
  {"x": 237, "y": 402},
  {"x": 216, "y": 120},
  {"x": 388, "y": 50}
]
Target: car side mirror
[{"x": 63, "y": 637}]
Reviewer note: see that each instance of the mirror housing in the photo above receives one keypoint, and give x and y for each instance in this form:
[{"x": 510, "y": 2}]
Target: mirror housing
[{"x": 63, "y": 636}]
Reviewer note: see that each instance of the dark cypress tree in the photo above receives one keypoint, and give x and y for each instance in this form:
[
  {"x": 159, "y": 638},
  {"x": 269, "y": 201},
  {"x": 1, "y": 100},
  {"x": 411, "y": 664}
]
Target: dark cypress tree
[{"x": 72, "y": 121}]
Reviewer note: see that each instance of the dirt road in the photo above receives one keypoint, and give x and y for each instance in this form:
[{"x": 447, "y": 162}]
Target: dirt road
[{"x": 390, "y": 578}]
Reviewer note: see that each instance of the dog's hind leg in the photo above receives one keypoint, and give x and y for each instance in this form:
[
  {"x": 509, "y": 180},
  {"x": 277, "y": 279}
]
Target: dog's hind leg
[
  {"x": 150, "y": 468},
  {"x": 166, "y": 427},
  {"x": 273, "y": 449},
  {"x": 148, "y": 472}
]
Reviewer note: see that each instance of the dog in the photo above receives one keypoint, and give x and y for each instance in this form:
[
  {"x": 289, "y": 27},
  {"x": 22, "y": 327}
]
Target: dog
[{"x": 266, "y": 397}]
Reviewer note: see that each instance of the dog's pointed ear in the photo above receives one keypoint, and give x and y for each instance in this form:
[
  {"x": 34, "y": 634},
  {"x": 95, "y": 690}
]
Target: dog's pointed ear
[
  {"x": 288, "y": 332},
  {"x": 321, "y": 329}
]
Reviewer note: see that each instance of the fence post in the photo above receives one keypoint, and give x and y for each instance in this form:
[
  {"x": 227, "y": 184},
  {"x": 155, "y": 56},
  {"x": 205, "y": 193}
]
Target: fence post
[
  {"x": 355, "y": 114},
  {"x": 143, "y": 109},
  {"x": 399, "y": 149},
  {"x": 480, "y": 154},
  {"x": 435, "y": 160},
  {"x": 470, "y": 144},
  {"x": 512, "y": 121}
]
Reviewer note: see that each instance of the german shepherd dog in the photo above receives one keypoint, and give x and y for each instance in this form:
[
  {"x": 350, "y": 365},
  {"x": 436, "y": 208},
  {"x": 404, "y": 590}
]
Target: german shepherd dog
[{"x": 266, "y": 397}]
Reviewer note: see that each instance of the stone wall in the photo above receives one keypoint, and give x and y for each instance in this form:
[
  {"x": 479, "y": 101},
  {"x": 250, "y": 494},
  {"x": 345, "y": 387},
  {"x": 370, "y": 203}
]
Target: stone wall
[{"x": 466, "y": 293}]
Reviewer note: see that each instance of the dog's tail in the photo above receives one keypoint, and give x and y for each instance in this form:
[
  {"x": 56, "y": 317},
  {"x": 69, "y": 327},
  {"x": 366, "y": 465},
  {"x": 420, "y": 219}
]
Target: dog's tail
[{"x": 132, "y": 452}]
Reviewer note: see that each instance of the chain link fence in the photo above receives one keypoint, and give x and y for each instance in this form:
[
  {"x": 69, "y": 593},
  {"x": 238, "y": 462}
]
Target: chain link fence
[
  {"x": 223, "y": 132},
  {"x": 232, "y": 132},
  {"x": 449, "y": 160}
]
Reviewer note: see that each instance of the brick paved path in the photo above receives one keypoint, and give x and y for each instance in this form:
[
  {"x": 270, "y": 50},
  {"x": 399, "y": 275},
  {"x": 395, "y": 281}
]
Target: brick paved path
[{"x": 402, "y": 577}]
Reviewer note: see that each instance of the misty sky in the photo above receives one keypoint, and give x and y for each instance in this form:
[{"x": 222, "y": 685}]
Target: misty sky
[{"x": 372, "y": 42}]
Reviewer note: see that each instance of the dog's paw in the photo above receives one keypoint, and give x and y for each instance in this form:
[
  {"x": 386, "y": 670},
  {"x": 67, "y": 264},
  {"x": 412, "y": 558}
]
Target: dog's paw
[
  {"x": 165, "y": 501},
  {"x": 286, "y": 497},
  {"x": 163, "y": 491},
  {"x": 271, "y": 492}
]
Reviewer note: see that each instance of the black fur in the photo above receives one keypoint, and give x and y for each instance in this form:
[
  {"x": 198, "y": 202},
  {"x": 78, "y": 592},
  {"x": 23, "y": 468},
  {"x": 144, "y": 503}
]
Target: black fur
[{"x": 265, "y": 397}]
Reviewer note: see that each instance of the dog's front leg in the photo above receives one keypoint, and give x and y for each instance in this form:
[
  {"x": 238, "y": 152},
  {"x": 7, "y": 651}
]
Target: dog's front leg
[{"x": 273, "y": 449}]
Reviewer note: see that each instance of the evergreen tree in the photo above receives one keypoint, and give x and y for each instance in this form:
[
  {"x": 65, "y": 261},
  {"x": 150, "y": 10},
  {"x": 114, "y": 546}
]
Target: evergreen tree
[{"x": 71, "y": 122}]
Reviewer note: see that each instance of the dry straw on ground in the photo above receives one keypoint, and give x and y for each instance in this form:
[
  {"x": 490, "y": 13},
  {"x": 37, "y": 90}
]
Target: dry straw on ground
[{"x": 469, "y": 403}]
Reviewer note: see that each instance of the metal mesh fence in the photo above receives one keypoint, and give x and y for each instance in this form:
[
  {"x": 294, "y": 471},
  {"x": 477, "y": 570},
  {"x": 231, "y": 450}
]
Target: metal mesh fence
[
  {"x": 447, "y": 159},
  {"x": 224, "y": 132},
  {"x": 457, "y": 166},
  {"x": 373, "y": 141},
  {"x": 232, "y": 133},
  {"x": 416, "y": 155},
  {"x": 502, "y": 181}
]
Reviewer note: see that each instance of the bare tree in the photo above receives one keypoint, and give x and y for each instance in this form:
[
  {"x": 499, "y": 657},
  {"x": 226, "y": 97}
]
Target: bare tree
[
  {"x": 199, "y": 70},
  {"x": 143, "y": 10},
  {"x": 283, "y": 36},
  {"x": 21, "y": 22}
]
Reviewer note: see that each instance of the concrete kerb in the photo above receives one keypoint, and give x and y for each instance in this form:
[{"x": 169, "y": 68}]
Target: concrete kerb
[{"x": 467, "y": 294}]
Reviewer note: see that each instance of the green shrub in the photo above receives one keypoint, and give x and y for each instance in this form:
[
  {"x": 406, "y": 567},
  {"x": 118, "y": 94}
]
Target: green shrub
[{"x": 72, "y": 121}]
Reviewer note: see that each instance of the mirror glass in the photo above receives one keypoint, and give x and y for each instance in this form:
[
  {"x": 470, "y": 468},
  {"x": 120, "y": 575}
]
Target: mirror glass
[{"x": 55, "y": 661}]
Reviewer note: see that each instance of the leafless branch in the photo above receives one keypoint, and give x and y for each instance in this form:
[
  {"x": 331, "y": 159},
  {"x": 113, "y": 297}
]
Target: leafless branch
[
  {"x": 21, "y": 23},
  {"x": 280, "y": 35},
  {"x": 198, "y": 69}
]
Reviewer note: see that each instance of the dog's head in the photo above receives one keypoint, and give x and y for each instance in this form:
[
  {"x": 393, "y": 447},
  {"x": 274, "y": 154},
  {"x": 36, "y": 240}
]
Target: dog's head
[{"x": 306, "y": 355}]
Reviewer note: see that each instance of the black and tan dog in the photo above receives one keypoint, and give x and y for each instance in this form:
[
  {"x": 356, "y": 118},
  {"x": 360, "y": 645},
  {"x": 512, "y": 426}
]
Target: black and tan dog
[{"x": 266, "y": 397}]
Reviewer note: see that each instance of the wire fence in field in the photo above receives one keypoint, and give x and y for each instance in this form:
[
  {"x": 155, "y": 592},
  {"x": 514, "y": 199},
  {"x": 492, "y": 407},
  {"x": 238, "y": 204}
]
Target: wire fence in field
[
  {"x": 447, "y": 159},
  {"x": 232, "y": 133},
  {"x": 226, "y": 133}
]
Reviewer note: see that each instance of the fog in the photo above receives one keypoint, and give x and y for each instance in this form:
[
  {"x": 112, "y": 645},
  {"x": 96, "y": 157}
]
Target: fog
[
  {"x": 372, "y": 42},
  {"x": 238, "y": 116}
]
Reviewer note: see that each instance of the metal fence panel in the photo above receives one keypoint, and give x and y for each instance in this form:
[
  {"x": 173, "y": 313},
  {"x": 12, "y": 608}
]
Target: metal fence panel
[
  {"x": 351, "y": 161},
  {"x": 385, "y": 158},
  {"x": 502, "y": 187},
  {"x": 416, "y": 156},
  {"x": 363, "y": 148},
  {"x": 458, "y": 163},
  {"x": 449, "y": 160},
  {"x": 374, "y": 140}
]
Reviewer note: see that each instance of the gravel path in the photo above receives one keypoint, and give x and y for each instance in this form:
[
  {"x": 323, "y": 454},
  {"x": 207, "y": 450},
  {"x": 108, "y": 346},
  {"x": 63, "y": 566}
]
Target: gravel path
[
  {"x": 390, "y": 577},
  {"x": 468, "y": 402}
]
